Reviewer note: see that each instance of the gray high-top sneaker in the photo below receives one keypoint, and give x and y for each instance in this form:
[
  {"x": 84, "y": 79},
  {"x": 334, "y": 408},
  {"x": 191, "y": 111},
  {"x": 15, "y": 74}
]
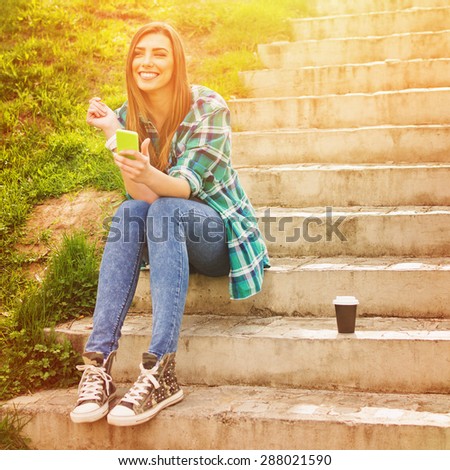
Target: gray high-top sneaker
[
  {"x": 155, "y": 389},
  {"x": 95, "y": 390}
]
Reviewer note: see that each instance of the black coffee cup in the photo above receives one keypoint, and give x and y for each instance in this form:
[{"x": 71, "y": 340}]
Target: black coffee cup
[{"x": 345, "y": 307}]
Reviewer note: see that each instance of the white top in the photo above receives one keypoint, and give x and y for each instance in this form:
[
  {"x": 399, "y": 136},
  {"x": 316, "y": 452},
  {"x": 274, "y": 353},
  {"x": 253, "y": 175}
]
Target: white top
[{"x": 345, "y": 300}]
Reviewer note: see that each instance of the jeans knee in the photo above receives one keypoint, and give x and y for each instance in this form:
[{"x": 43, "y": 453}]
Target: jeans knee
[
  {"x": 163, "y": 206},
  {"x": 128, "y": 223},
  {"x": 163, "y": 220},
  {"x": 132, "y": 208}
]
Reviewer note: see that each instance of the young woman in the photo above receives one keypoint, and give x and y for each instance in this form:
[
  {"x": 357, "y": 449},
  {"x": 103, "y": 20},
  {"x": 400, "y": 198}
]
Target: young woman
[{"x": 186, "y": 211}]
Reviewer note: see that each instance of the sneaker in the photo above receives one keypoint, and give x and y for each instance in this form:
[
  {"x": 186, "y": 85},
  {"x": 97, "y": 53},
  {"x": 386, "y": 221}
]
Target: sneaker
[
  {"x": 155, "y": 389},
  {"x": 95, "y": 390}
]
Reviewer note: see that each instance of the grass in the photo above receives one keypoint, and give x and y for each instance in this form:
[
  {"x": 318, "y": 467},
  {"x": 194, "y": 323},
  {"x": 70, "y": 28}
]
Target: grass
[
  {"x": 11, "y": 438},
  {"x": 68, "y": 288},
  {"x": 30, "y": 358},
  {"x": 55, "y": 55}
]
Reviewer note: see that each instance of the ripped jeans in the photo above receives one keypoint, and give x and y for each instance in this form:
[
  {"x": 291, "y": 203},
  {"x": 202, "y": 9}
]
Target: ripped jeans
[{"x": 178, "y": 235}]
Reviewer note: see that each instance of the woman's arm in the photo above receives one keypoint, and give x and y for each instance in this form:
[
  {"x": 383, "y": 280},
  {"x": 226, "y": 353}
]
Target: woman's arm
[
  {"x": 102, "y": 117},
  {"x": 138, "y": 191}
]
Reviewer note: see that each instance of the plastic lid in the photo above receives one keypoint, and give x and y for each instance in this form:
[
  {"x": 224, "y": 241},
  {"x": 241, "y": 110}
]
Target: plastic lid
[{"x": 345, "y": 300}]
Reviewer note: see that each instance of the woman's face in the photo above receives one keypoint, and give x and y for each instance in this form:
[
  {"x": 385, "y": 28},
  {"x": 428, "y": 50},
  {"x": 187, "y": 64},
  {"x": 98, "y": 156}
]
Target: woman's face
[{"x": 153, "y": 63}]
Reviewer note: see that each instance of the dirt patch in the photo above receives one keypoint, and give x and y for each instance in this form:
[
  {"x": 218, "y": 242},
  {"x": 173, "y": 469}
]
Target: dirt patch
[{"x": 85, "y": 210}]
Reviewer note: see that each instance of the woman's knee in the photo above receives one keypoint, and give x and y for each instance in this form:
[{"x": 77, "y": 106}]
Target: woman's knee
[
  {"x": 164, "y": 206},
  {"x": 133, "y": 208},
  {"x": 163, "y": 220},
  {"x": 129, "y": 221}
]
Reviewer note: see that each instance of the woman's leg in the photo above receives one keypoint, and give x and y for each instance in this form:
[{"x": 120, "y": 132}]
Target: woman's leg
[
  {"x": 180, "y": 232},
  {"x": 119, "y": 273}
]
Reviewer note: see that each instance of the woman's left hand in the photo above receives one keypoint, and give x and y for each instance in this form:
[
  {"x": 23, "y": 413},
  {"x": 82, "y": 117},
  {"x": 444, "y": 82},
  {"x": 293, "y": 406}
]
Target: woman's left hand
[{"x": 136, "y": 165}]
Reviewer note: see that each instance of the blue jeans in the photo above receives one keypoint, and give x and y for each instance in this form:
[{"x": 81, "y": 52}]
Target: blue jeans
[{"x": 178, "y": 235}]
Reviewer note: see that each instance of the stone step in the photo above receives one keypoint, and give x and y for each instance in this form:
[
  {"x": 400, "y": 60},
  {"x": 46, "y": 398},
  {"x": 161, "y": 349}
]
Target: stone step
[
  {"x": 330, "y": 7},
  {"x": 364, "y": 145},
  {"x": 381, "y": 23},
  {"x": 232, "y": 417},
  {"x": 306, "y": 286},
  {"x": 347, "y": 185},
  {"x": 357, "y": 50},
  {"x": 403, "y": 355},
  {"x": 404, "y": 107},
  {"x": 356, "y": 231},
  {"x": 388, "y": 75}
]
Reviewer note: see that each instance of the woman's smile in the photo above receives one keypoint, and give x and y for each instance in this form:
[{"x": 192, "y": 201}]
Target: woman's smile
[{"x": 148, "y": 75}]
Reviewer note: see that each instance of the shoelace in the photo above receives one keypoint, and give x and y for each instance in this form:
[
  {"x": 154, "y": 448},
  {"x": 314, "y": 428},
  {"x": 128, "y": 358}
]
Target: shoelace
[
  {"x": 91, "y": 385},
  {"x": 145, "y": 380}
]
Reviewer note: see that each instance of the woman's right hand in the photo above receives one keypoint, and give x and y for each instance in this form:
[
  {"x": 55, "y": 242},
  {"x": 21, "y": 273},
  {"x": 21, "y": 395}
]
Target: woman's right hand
[{"x": 101, "y": 116}]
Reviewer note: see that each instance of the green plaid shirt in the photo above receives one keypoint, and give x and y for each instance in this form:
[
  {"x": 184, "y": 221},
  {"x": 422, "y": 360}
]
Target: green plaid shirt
[{"x": 200, "y": 153}]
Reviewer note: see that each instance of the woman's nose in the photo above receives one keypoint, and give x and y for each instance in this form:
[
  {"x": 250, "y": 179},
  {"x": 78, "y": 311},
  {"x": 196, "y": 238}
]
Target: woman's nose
[{"x": 148, "y": 60}]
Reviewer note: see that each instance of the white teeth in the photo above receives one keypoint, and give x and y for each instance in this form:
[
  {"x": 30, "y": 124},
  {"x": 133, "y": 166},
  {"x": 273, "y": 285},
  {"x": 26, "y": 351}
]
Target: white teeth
[{"x": 148, "y": 75}]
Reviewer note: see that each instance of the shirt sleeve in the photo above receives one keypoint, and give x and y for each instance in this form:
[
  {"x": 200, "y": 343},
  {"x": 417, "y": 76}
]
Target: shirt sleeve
[
  {"x": 121, "y": 114},
  {"x": 207, "y": 152}
]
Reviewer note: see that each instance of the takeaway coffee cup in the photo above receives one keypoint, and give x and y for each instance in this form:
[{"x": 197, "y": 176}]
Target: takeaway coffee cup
[{"x": 345, "y": 306}]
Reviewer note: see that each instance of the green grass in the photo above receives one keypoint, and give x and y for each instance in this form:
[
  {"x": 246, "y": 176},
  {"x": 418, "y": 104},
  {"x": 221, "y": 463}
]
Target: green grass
[
  {"x": 30, "y": 358},
  {"x": 55, "y": 55},
  {"x": 11, "y": 426},
  {"x": 68, "y": 289}
]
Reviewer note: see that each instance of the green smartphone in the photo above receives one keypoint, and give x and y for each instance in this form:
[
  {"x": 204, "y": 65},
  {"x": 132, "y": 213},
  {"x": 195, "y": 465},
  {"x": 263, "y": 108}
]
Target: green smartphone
[{"x": 127, "y": 140}]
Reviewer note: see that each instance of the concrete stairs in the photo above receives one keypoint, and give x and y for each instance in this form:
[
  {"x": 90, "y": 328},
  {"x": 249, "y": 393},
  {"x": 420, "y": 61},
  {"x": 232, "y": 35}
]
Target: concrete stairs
[{"x": 344, "y": 151}]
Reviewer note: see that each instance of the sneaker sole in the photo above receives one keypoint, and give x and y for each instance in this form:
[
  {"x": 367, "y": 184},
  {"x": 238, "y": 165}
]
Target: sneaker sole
[
  {"x": 147, "y": 415},
  {"x": 93, "y": 416}
]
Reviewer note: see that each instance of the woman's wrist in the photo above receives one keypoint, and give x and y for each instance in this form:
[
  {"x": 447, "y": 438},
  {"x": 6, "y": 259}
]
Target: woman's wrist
[
  {"x": 111, "y": 130},
  {"x": 151, "y": 177},
  {"x": 110, "y": 134},
  {"x": 111, "y": 143}
]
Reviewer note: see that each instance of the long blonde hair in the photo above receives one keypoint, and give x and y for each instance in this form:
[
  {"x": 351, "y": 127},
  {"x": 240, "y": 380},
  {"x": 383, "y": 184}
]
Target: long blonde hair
[{"x": 181, "y": 98}]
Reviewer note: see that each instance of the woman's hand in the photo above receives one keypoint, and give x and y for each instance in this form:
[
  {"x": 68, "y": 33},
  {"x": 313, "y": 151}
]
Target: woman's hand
[
  {"x": 136, "y": 165},
  {"x": 102, "y": 117},
  {"x": 145, "y": 182}
]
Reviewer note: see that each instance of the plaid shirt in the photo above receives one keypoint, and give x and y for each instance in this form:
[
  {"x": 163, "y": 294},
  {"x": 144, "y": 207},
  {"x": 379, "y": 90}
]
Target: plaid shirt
[{"x": 200, "y": 153}]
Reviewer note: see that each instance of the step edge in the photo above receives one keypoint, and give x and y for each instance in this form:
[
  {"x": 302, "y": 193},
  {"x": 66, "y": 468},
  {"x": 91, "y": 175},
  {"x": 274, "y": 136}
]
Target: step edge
[
  {"x": 410, "y": 10},
  {"x": 405, "y": 91},
  {"x": 295, "y": 400},
  {"x": 317, "y": 130},
  {"x": 378, "y": 63},
  {"x": 306, "y": 167},
  {"x": 284, "y": 44}
]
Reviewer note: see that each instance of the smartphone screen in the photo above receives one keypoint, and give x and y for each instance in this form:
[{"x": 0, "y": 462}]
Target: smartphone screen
[{"x": 127, "y": 140}]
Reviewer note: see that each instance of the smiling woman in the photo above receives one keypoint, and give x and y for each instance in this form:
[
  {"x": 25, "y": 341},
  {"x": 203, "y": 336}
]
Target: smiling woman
[
  {"x": 165, "y": 99},
  {"x": 187, "y": 211}
]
